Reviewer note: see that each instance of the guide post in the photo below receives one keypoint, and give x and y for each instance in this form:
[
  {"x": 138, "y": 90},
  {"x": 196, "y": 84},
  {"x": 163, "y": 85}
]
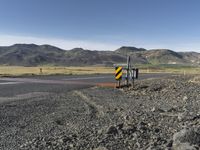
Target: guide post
[{"x": 131, "y": 73}]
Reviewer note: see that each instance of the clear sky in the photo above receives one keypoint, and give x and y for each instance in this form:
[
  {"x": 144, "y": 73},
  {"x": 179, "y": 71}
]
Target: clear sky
[{"x": 102, "y": 24}]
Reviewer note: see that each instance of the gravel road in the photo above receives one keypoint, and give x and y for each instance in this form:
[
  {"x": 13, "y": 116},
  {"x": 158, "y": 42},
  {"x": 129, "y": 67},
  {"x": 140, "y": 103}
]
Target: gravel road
[{"x": 160, "y": 113}]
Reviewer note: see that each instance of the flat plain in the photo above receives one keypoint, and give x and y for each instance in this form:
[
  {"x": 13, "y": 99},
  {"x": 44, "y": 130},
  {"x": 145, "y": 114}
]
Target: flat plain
[{"x": 60, "y": 70}]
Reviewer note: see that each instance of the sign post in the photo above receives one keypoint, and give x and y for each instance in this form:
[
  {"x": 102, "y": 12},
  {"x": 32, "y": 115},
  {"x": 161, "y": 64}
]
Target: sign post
[{"x": 131, "y": 73}]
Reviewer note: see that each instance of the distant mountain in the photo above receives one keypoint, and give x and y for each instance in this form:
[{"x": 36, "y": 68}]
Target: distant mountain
[
  {"x": 164, "y": 56},
  {"x": 191, "y": 57},
  {"x": 34, "y": 55},
  {"x": 128, "y": 50},
  {"x": 30, "y": 55}
]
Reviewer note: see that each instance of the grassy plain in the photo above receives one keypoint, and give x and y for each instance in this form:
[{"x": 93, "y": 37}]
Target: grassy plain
[
  {"x": 179, "y": 69},
  {"x": 50, "y": 70}
]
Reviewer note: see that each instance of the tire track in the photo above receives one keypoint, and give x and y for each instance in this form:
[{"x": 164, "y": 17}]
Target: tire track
[
  {"x": 96, "y": 111},
  {"x": 23, "y": 96}
]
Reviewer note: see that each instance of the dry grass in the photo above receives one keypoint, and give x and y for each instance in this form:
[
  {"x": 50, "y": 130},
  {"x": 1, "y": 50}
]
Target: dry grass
[
  {"x": 17, "y": 71},
  {"x": 48, "y": 70},
  {"x": 184, "y": 71}
]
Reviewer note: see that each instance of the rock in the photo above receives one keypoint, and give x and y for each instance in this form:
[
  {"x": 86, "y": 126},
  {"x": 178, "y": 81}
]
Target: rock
[
  {"x": 155, "y": 88},
  {"x": 170, "y": 143},
  {"x": 100, "y": 148},
  {"x": 120, "y": 126},
  {"x": 181, "y": 116},
  {"x": 157, "y": 130},
  {"x": 66, "y": 139},
  {"x": 185, "y": 98},
  {"x": 112, "y": 130},
  {"x": 187, "y": 139},
  {"x": 155, "y": 109},
  {"x": 126, "y": 117},
  {"x": 71, "y": 145},
  {"x": 129, "y": 130},
  {"x": 173, "y": 109},
  {"x": 197, "y": 116}
]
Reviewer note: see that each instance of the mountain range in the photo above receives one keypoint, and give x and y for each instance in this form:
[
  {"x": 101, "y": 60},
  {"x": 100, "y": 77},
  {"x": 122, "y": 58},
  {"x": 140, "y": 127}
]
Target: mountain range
[{"x": 34, "y": 55}]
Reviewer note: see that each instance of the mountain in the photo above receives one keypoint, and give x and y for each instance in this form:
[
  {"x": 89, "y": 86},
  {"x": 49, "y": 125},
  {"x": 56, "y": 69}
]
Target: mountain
[
  {"x": 34, "y": 55},
  {"x": 129, "y": 50},
  {"x": 30, "y": 55},
  {"x": 191, "y": 57},
  {"x": 164, "y": 56}
]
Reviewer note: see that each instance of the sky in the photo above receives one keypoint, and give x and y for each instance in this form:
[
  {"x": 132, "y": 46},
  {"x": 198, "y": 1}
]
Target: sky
[{"x": 102, "y": 24}]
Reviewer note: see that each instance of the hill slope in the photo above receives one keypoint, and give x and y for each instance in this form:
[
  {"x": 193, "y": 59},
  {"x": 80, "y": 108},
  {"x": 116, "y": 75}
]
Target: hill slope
[{"x": 34, "y": 55}]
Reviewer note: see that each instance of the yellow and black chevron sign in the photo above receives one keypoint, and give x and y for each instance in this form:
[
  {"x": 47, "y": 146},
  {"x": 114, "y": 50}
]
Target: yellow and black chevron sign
[{"x": 118, "y": 73}]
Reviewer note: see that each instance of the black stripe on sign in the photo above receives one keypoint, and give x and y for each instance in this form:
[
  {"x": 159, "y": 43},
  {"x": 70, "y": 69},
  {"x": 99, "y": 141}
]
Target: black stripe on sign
[{"x": 118, "y": 72}]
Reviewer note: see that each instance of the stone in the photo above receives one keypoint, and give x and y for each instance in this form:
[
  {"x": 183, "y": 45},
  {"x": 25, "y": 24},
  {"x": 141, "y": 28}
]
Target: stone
[
  {"x": 186, "y": 139},
  {"x": 112, "y": 130}
]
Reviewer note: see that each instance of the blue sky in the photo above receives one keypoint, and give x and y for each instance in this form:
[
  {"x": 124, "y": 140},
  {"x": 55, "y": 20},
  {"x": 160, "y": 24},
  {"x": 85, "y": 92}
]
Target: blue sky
[{"x": 102, "y": 24}]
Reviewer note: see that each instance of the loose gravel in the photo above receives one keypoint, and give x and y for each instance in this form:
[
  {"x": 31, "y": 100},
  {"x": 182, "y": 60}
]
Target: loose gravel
[{"x": 155, "y": 114}]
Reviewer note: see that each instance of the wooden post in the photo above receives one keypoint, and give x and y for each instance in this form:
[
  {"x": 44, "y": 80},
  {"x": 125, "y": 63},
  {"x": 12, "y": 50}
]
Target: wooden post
[{"x": 40, "y": 70}]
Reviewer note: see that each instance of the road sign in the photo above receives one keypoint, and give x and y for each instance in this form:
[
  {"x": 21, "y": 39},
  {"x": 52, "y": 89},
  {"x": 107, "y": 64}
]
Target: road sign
[
  {"x": 131, "y": 73},
  {"x": 118, "y": 73}
]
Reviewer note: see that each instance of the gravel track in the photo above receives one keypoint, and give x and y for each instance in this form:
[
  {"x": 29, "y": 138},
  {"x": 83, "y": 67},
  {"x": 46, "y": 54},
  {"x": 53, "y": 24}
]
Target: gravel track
[{"x": 154, "y": 114}]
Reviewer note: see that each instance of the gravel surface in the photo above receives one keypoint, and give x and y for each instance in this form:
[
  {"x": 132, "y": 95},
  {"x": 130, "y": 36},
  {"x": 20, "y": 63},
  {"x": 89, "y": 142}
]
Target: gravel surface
[{"x": 154, "y": 114}]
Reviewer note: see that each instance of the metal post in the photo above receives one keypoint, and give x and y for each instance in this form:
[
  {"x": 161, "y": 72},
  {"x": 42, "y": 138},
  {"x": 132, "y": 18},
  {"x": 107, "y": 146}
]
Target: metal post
[
  {"x": 119, "y": 84},
  {"x": 133, "y": 76},
  {"x": 127, "y": 77},
  {"x": 128, "y": 71},
  {"x": 136, "y": 73}
]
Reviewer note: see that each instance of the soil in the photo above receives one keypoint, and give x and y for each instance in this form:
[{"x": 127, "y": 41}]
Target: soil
[{"x": 162, "y": 113}]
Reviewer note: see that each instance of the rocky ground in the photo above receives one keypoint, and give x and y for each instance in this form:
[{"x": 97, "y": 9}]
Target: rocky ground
[{"x": 162, "y": 113}]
